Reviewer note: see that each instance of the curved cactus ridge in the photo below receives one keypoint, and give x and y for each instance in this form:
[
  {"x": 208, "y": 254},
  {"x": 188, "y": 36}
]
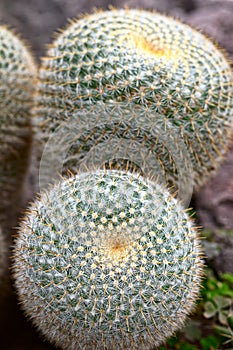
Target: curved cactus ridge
[
  {"x": 113, "y": 259},
  {"x": 17, "y": 84},
  {"x": 128, "y": 60}
]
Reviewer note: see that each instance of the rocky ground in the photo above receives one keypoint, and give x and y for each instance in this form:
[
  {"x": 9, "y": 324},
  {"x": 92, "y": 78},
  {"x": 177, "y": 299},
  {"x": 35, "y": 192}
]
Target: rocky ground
[{"x": 37, "y": 20}]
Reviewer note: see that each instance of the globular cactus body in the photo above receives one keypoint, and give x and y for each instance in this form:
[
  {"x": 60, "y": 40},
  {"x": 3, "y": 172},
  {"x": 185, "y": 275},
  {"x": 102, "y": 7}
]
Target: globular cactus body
[
  {"x": 113, "y": 259},
  {"x": 132, "y": 61},
  {"x": 17, "y": 87}
]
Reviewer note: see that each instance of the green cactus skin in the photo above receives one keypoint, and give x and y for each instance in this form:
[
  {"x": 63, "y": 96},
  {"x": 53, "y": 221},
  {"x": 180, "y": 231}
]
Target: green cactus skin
[
  {"x": 147, "y": 63},
  {"x": 107, "y": 260},
  {"x": 17, "y": 86}
]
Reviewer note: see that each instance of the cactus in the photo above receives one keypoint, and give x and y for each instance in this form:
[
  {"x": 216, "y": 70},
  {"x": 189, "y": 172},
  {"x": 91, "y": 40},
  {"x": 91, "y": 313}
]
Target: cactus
[
  {"x": 107, "y": 260},
  {"x": 17, "y": 86},
  {"x": 81, "y": 143},
  {"x": 147, "y": 65}
]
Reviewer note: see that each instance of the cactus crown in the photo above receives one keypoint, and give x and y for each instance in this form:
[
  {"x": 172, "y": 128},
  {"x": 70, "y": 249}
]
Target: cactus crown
[
  {"x": 146, "y": 63},
  {"x": 112, "y": 257},
  {"x": 17, "y": 84}
]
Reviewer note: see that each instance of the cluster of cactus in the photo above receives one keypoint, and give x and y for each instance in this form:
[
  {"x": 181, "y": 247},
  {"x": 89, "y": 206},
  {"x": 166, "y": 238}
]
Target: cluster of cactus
[
  {"x": 17, "y": 87},
  {"x": 111, "y": 255},
  {"x": 148, "y": 72},
  {"x": 113, "y": 258}
]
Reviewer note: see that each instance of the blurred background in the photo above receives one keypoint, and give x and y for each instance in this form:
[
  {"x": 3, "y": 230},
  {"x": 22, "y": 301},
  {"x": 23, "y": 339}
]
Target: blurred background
[{"x": 36, "y": 21}]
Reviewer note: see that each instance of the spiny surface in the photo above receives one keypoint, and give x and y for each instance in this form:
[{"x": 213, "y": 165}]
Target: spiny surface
[
  {"x": 17, "y": 85},
  {"x": 96, "y": 138},
  {"x": 112, "y": 258},
  {"x": 147, "y": 63}
]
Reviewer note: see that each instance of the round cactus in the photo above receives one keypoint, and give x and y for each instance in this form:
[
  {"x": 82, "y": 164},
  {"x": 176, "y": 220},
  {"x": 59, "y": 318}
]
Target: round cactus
[
  {"x": 81, "y": 143},
  {"x": 17, "y": 86},
  {"x": 113, "y": 259},
  {"x": 145, "y": 64}
]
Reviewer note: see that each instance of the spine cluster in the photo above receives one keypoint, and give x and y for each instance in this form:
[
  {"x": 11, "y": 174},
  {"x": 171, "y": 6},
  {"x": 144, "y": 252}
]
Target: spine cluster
[{"x": 112, "y": 257}]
